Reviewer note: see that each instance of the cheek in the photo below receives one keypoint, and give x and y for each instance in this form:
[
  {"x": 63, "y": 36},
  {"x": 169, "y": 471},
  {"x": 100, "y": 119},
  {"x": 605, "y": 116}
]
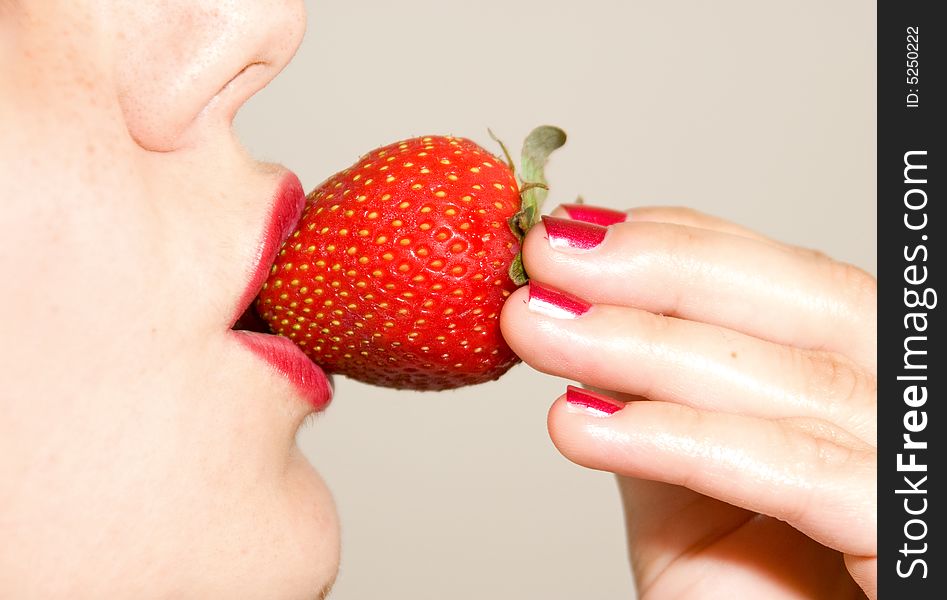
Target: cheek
[{"x": 81, "y": 248}]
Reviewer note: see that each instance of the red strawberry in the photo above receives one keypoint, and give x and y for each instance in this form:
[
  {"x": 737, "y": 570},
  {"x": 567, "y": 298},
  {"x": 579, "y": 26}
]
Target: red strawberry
[{"x": 398, "y": 269}]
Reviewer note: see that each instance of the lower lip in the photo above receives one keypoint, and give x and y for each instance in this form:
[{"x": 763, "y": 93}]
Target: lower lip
[{"x": 290, "y": 362}]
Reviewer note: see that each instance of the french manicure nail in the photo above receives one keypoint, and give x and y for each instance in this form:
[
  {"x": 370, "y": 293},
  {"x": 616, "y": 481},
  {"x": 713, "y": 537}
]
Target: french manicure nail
[
  {"x": 555, "y": 303},
  {"x": 566, "y": 234},
  {"x": 597, "y": 404},
  {"x": 594, "y": 214}
]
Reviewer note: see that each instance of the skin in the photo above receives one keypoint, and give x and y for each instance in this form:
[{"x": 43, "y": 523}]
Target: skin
[
  {"x": 144, "y": 453},
  {"x": 746, "y": 450}
]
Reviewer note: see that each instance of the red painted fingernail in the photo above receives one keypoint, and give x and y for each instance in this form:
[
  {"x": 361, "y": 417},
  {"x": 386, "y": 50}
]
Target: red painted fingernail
[
  {"x": 595, "y": 403},
  {"x": 555, "y": 303},
  {"x": 566, "y": 234},
  {"x": 594, "y": 214}
]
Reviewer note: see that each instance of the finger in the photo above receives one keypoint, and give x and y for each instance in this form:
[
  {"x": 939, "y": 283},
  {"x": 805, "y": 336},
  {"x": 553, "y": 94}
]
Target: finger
[
  {"x": 666, "y": 522},
  {"x": 673, "y": 548},
  {"x": 702, "y": 275},
  {"x": 636, "y": 352},
  {"x": 824, "y": 489},
  {"x": 677, "y": 215},
  {"x": 674, "y": 215},
  {"x": 864, "y": 570}
]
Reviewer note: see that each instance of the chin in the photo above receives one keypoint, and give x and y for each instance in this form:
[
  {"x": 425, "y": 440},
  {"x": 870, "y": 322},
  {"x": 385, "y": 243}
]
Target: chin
[
  {"x": 316, "y": 534},
  {"x": 313, "y": 530},
  {"x": 291, "y": 551}
]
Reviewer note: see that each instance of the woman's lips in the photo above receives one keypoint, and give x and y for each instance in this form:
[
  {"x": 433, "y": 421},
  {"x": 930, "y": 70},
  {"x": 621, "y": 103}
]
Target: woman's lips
[
  {"x": 280, "y": 352},
  {"x": 284, "y": 356},
  {"x": 285, "y": 212}
]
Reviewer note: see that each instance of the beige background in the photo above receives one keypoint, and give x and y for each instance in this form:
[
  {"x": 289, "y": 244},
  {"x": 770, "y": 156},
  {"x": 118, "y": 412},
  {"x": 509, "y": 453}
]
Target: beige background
[{"x": 761, "y": 112}]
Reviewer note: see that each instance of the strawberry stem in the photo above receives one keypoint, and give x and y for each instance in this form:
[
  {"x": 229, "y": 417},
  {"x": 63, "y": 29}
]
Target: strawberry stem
[{"x": 539, "y": 144}]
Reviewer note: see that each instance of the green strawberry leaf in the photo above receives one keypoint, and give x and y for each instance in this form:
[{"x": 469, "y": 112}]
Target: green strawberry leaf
[
  {"x": 539, "y": 144},
  {"x": 518, "y": 271}
]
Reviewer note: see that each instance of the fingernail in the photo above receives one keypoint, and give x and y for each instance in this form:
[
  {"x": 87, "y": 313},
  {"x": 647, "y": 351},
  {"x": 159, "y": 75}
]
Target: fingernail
[
  {"x": 594, "y": 214},
  {"x": 592, "y": 402},
  {"x": 566, "y": 234},
  {"x": 555, "y": 303}
]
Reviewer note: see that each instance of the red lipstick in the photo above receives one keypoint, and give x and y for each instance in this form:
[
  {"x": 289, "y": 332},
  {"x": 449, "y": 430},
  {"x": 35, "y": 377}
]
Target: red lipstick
[
  {"x": 281, "y": 353},
  {"x": 285, "y": 212},
  {"x": 289, "y": 361}
]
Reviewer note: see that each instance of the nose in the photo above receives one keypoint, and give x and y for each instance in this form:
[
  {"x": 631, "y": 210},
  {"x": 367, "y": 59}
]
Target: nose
[{"x": 186, "y": 67}]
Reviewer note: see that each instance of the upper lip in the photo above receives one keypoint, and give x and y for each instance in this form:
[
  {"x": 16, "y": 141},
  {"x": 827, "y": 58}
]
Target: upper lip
[
  {"x": 282, "y": 354},
  {"x": 285, "y": 212}
]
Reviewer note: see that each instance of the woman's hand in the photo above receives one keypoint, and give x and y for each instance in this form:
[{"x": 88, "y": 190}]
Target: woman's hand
[{"x": 745, "y": 435}]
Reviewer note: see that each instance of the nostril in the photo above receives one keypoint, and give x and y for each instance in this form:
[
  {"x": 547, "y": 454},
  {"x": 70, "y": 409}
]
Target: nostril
[
  {"x": 243, "y": 71},
  {"x": 224, "y": 105},
  {"x": 191, "y": 66}
]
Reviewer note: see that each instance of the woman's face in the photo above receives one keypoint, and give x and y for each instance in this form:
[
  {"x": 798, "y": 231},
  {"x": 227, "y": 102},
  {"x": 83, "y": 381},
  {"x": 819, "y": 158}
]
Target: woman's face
[{"x": 145, "y": 449}]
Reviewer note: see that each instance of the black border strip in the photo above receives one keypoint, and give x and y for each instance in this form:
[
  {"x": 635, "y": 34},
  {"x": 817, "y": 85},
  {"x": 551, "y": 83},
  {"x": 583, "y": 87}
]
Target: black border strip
[{"x": 912, "y": 371}]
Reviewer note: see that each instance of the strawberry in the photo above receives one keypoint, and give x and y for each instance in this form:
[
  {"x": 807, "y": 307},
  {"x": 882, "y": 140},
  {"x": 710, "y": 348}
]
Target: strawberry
[{"x": 398, "y": 269}]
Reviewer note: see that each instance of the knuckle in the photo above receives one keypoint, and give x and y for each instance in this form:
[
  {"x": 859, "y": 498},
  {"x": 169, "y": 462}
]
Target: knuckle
[
  {"x": 858, "y": 287},
  {"x": 836, "y": 381},
  {"x": 830, "y": 455},
  {"x": 823, "y": 458}
]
